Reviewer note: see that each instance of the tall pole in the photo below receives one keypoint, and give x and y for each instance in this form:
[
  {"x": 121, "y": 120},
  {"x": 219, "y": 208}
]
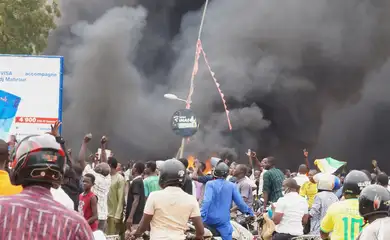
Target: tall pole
[{"x": 183, "y": 141}]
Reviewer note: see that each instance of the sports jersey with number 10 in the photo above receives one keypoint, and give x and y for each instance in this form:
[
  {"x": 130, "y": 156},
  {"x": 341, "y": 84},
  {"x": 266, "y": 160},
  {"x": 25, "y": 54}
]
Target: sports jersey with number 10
[{"x": 343, "y": 220}]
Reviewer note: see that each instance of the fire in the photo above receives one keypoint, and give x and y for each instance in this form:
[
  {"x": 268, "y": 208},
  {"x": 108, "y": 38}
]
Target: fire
[{"x": 192, "y": 159}]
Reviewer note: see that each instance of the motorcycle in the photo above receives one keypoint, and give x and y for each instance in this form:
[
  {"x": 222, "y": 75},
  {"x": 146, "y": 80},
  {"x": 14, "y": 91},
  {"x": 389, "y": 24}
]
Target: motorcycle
[{"x": 239, "y": 232}]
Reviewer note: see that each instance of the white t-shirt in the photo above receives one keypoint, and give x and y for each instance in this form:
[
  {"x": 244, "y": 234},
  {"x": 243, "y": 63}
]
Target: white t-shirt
[
  {"x": 171, "y": 208},
  {"x": 293, "y": 206},
  {"x": 101, "y": 190},
  {"x": 301, "y": 179},
  {"x": 60, "y": 196}
]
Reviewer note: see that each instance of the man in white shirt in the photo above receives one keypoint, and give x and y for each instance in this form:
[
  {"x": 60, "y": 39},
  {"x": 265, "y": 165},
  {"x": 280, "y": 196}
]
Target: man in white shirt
[
  {"x": 290, "y": 213},
  {"x": 301, "y": 177},
  {"x": 167, "y": 211}
]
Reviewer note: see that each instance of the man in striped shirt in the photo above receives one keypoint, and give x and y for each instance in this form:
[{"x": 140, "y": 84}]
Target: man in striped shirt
[{"x": 38, "y": 164}]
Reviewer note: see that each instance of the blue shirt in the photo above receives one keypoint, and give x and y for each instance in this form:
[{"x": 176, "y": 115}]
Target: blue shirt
[{"x": 217, "y": 202}]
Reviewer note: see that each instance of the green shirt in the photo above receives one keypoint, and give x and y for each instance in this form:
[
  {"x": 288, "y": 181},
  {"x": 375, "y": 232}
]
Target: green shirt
[
  {"x": 151, "y": 185},
  {"x": 273, "y": 182},
  {"x": 116, "y": 198}
]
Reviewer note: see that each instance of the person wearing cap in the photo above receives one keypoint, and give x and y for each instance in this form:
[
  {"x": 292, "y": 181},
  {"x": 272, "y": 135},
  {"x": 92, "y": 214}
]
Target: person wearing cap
[
  {"x": 218, "y": 197},
  {"x": 322, "y": 200},
  {"x": 342, "y": 219},
  {"x": 374, "y": 202},
  {"x": 167, "y": 211},
  {"x": 38, "y": 164},
  {"x": 290, "y": 212}
]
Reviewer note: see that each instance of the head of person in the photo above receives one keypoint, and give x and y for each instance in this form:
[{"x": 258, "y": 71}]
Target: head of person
[
  {"x": 184, "y": 161},
  {"x": 88, "y": 182},
  {"x": 374, "y": 201},
  {"x": 221, "y": 171},
  {"x": 257, "y": 174},
  {"x": 138, "y": 169},
  {"x": 120, "y": 167},
  {"x": 287, "y": 173},
  {"x": 240, "y": 171},
  {"x": 172, "y": 174},
  {"x": 3, "y": 154},
  {"x": 342, "y": 177},
  {"x": 311, "y": 175},
  {"x": 303, "y": 169},
  {"x": 290, "y": 185},
  {"x": 103, "y": 169},
  {"x": 150, "y": 167},
  {"x": 38, "y": 160},
  {"x": 382, "y": 179},
  {"x": 233, "y": 166},
  {"x": 228, "y": 156},
  {"x": 268, "y": 162},
  {"x": 354, "y": 183},
  {"x": 113, "y": 163}
]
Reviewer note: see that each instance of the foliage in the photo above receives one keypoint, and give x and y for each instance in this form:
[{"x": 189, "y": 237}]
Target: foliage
[{"x": 25, "y": 25}]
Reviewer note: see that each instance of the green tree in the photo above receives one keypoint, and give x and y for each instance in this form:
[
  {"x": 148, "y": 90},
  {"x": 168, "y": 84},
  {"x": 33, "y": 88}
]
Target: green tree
[{"x": 25, "y": 25}]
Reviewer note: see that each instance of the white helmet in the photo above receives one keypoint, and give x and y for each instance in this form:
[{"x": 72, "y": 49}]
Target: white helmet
[{"x": 325, "y": 182}]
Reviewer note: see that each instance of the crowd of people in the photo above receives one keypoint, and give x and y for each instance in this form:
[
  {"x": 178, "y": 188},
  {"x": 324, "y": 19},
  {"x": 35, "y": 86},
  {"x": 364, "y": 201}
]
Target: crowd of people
[{"x": 47, "y": 193}]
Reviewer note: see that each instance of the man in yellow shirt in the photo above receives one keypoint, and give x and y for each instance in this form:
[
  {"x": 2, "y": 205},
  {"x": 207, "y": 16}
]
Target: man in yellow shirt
[
  {"x": 6, "y": 188},
  {"x": 309, "y": 188},
  {"x": 342, "y": 218}
]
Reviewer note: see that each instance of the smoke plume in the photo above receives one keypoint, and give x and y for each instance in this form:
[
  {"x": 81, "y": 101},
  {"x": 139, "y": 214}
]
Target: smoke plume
[{"x": 296, "y": 74}]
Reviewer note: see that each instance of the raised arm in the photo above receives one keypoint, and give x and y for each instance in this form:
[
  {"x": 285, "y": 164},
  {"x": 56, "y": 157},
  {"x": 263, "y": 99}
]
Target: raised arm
[
  {"x": 103, "y": 144},
  {"x": 83, "y": 151}
]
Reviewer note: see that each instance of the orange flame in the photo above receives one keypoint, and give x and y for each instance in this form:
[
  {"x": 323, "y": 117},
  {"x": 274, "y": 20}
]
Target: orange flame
[{"x": 192, "y": 160}]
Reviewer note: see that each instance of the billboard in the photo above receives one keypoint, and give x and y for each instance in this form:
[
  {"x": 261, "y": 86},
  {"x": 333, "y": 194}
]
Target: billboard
[{"x": 30, "y": 94}]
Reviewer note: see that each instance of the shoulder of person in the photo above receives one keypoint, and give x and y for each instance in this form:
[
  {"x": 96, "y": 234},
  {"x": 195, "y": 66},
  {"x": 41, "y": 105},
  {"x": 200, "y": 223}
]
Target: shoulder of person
[
  {"x": 192, "y": 200},
  {"x": 267, "y": 173},
  {"x": 333, "y": 208},
  {"x": 154, "y": 195},
  {"x": 121, "y": 178},
  {"x": 138, "y": 181}
]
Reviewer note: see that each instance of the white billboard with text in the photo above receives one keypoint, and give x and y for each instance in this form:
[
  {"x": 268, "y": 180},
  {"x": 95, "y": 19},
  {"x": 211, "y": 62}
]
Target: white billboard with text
[{"x": 30, "y": 94}]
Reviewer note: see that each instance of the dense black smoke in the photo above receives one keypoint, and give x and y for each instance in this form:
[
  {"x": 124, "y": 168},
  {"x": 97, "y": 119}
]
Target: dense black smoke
[{"x": 296, "y": 74}]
